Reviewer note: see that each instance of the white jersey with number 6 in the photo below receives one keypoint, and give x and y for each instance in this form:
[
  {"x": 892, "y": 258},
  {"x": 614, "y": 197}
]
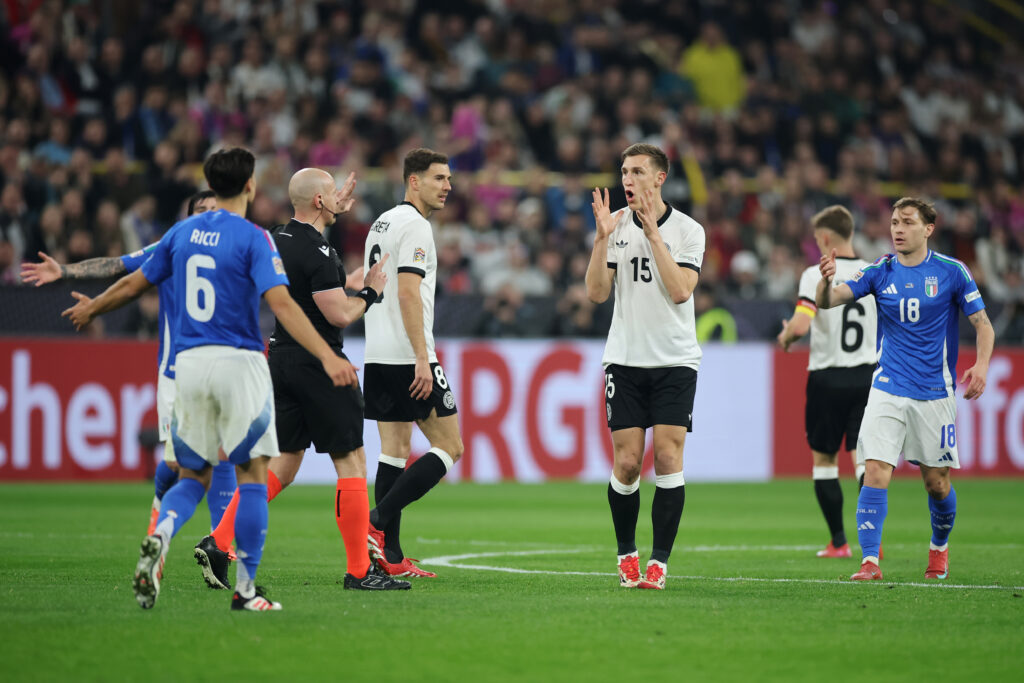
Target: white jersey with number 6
[
  {"x": 845, "y": 336},
  {"x": 648, "y": 330},
  {"x": 407, "y": 238}
]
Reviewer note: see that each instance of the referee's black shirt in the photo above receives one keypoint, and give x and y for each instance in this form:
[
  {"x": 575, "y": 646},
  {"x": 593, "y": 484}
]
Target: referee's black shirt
[{"x": 312, "y": 265}]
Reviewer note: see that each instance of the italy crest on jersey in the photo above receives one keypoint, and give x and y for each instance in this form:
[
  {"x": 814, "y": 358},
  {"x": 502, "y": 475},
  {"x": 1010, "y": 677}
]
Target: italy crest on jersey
[{"x": 931, "y": 286}]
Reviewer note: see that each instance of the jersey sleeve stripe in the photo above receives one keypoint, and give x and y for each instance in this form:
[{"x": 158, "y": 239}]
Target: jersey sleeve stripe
[
  {"x": 690, "y": 266},
  {"x": 410, "y": 269},
  {"x": 613, "y": 266},
  {"x": 878, "y": 263},
  {"x": 957, "y": 263}
]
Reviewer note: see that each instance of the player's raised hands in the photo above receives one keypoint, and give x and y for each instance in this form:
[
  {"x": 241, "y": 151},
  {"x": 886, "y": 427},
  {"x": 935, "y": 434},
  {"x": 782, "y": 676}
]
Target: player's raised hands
[
  {"x": 827, "y": 266},
  {"x": 40, "y": 273},
  {"x": 974, "y": 378},
  {"x": 376, "y": 278},
  {"x": 344, "y": 196},
  {"x": 606, "y": 222},
  {"x": 341, "y": 372},
  {"x": 80, "y": 314}
]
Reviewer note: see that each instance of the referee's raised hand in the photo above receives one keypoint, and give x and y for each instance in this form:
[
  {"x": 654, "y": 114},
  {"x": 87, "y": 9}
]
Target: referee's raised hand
[
  {"x": 376, "y": 278},
  {"x": 344, "y": 197}
]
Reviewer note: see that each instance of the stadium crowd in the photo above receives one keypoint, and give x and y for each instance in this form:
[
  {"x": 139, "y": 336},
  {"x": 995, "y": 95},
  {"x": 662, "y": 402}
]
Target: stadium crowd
[{"x": 769, "y": 111}]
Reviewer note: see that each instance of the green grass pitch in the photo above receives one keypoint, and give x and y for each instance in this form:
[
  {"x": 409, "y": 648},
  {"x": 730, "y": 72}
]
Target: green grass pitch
[{"x": 526, "y": 592}]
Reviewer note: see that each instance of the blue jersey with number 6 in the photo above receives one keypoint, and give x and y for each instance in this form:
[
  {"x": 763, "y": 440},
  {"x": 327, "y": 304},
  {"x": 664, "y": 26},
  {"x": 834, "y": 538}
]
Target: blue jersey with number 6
[
  {"x": 220, "y": 265},
  {"x": 133, "y": 262},
  {"x": 918, "y": 321}
]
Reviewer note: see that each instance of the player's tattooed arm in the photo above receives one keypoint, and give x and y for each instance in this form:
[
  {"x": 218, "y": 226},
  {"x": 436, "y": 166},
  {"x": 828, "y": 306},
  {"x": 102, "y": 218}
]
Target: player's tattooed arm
[
  {"x": 50, "y": 271},
  {"x": 94, "y": 268},
  {"x": 975, "y": 376}
]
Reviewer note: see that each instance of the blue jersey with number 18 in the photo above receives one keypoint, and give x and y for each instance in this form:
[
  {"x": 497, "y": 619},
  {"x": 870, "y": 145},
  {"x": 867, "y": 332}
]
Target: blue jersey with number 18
[
  {"x": 918, "y": 321},
  {"x": 220, "y": 265}
]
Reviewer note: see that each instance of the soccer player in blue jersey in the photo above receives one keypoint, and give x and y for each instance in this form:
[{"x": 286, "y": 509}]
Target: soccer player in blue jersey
[
  {"x": 220, "y": 264},
  {"x": 911, "y": 408},
  {"x": 223, "y": 481}
]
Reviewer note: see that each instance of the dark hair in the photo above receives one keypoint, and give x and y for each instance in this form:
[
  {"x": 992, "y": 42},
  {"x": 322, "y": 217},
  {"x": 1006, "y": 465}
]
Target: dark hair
[
  {"x": 419, "y": 160},
  {"x": 835, "y": 218},
  {"x": 228, "y": 170},
  {"x": 658, "y": 158},
  {"x": 927, "y": 211},
  {"x": 196, "y": 198}
]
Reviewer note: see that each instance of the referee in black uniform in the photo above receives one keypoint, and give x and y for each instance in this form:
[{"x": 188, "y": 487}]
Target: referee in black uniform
[{"x": 308, "y": 407}]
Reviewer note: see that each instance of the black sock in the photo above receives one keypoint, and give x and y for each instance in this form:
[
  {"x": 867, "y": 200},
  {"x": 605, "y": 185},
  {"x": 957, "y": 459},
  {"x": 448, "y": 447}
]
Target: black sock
[
  {"x": 625, "y": 512},
  {"x": 413, "y": 484},
  {"x": 666, "y": 511},
  {"x": 860, "y": 483},
  {"x": 830, "y": 498},
  {"x": 387, "y": 475}
]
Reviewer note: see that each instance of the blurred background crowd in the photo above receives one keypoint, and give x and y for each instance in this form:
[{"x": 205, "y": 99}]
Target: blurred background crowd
[{"x": 769, "y": 111}]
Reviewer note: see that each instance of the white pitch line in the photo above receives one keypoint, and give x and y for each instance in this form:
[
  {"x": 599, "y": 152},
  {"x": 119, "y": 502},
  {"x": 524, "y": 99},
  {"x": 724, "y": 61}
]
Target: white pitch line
[{"x": 451, "y": 560}]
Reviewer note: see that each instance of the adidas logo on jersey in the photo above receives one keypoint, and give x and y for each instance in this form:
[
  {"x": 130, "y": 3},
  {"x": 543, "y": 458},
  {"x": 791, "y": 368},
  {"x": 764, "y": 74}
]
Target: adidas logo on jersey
[
  {"x": 891, "y": 289},
  {"x": 621, "y": 244},
  {"x": 946, "y": 457}
]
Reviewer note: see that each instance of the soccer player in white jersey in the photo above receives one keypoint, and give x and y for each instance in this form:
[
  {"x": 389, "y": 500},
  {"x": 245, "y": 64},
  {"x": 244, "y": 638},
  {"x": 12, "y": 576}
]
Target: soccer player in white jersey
[
  {"x": 911, "y": 407},
  {"x": 839, "y": 370},
  {"x": 221, "y": 264},
  {"x": 653, "y": 255},
  {"x": 403, "y": 381}
]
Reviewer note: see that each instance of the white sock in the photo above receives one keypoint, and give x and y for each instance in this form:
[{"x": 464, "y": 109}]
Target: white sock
[
  {"x": 245, "y": 586},
  {"x": 624, "y": 489},
  {"x": 825, "y": 472},
  {"x": 445, "y": 458},
  {"x": 391, "y": 460},
  {"x": 940, "y": 548}
]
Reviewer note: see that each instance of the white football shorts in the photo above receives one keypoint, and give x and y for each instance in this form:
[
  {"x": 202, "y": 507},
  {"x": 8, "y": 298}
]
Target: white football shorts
[
  {"x": 923, "y": 431},
  {"x": 165, "y": 413},
  {"x": 225, "y": 398}
]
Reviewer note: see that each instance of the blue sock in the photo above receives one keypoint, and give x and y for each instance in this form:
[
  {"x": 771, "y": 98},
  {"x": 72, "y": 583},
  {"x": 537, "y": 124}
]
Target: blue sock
[
  {"x": 222, "y": 487},
  {"x": 943, "y": 515},
  {"x": 250, "y": 530},
  {"x": 179, "y": 504},
  {"x": 164, "y": 479},
  {"x": 872, "y": 507}
]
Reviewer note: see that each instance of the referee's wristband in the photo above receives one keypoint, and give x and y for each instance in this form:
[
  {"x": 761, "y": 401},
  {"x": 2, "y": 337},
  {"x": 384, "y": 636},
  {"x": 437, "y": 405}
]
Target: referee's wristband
[{"x": 369, "y": 295}]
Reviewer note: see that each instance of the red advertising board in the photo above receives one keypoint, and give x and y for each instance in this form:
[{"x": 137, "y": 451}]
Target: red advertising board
[
  {"x": 990, "y": 429},
  {"x": 73, "y": 410}
]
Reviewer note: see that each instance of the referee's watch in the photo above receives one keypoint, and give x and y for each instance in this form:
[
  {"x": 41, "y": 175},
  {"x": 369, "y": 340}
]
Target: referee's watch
[{"x": 369, "y": 295}]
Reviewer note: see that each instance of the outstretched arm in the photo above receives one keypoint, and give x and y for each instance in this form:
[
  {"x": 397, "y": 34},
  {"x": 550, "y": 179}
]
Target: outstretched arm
[
  {"x": 793, "y": 329},
  {"x": 828, "y": 296},
  {"x": 51, "y": 271},
  {"x": 975, "y": 376},
  {"x": 127, "y": 289}
]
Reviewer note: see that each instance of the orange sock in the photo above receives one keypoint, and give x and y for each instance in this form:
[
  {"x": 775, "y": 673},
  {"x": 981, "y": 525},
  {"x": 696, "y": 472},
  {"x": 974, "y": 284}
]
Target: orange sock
[
  {"x": 352, "y": 513},
  {"x": 224, "y": 534}
]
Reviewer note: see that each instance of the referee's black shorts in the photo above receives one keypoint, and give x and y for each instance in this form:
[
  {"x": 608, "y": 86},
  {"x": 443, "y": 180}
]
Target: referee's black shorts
[
  {"x": 310, "y": 408},
  {"x": 643, "y": 397},
  {"x": 835, "y": 406},
  {"x": 388, "y": 398}
]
